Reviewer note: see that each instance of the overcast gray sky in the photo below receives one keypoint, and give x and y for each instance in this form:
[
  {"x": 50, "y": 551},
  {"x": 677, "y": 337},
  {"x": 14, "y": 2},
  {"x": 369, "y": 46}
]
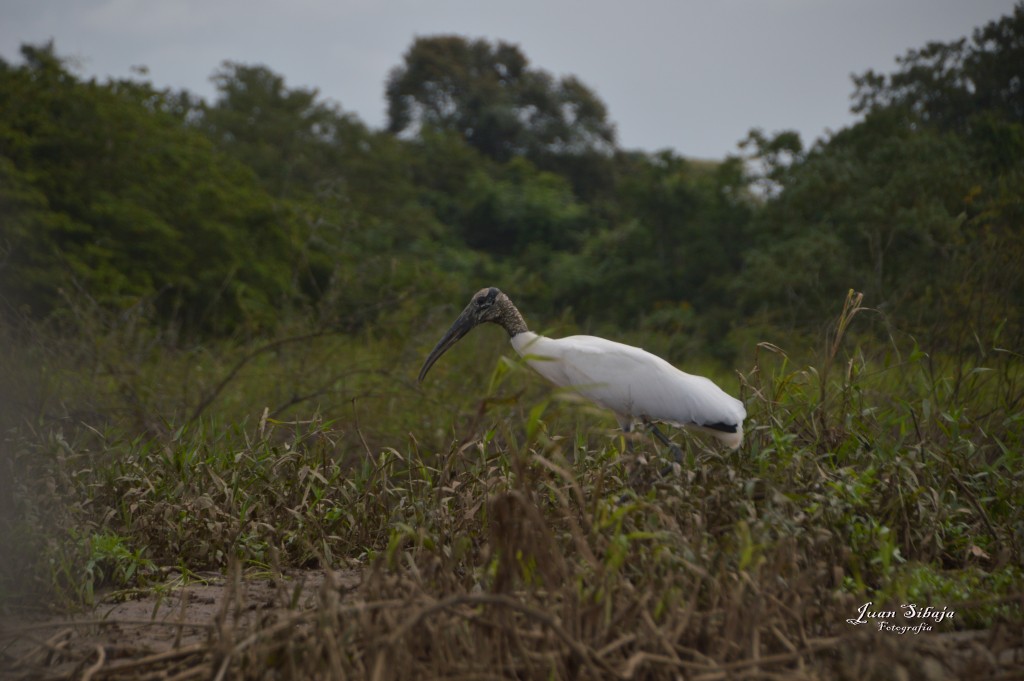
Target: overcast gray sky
[{"x": 687, "y": 75}]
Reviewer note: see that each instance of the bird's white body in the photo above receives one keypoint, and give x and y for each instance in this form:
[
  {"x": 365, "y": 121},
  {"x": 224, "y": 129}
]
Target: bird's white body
[
  {"x": 633, "y": 383},
  {"x": 629, "y": 381}
]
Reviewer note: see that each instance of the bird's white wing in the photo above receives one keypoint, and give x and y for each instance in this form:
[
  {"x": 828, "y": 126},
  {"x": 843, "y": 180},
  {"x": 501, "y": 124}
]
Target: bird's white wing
[{"x": 631, "y": 382}]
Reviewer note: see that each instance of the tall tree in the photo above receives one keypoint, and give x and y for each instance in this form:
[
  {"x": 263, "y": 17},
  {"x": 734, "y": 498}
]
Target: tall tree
[
  {"x": 501, "y": 106},
  {"x": 104, "y": 190},
  {"x": 289, "y": 136},
  {"x": 947, "y": 84},
  {"x": 918, "y": 205}
]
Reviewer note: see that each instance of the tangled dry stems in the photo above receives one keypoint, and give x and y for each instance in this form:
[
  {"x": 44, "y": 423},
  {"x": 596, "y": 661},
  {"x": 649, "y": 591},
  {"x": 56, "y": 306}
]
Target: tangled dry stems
[
  {"x": 520, "y": 553},
  {"x": 394, "y": 626}
]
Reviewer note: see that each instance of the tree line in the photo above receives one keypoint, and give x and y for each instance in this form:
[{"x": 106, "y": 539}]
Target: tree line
[{"x": 223, "y": 217}]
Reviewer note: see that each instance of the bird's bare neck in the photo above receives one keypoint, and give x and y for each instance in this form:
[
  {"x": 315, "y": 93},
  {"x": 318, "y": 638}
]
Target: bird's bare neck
[{"x": 511, "y": 319}]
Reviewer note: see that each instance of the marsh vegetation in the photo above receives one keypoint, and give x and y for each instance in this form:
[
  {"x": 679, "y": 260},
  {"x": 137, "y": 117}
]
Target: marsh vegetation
[{"x": 214, "y": 313}]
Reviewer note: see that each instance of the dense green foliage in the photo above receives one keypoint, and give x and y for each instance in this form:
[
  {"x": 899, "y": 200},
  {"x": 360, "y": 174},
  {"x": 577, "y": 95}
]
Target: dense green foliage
[
  {"x": 106, "y": 190},
  {"x": 920, "y": 204},
  {"x": 491, "y": 98},
  {"x": 213, "y": 314},
  {"x": 269, "y": 200}
]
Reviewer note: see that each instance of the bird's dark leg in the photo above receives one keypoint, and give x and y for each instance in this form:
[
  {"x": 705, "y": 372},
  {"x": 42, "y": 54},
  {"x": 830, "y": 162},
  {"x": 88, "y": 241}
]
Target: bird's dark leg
[
  {"x": 627, "y": 429},
  {"x": 635, "y": 475},
  {"x": 676, "y": 452}
]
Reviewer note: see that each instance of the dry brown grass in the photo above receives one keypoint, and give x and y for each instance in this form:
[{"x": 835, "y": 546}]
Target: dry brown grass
[
  {"x": 521, "y": 551},
  {"x": 411, "y": 624}
]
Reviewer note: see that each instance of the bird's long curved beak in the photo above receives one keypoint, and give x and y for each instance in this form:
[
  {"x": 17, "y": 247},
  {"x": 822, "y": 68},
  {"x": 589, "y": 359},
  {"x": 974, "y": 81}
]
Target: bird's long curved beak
[{"x": 463, "y": 325}]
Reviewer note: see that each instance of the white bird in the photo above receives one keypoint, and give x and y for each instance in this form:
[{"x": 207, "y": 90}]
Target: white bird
[{"x": 629, "y": 381}]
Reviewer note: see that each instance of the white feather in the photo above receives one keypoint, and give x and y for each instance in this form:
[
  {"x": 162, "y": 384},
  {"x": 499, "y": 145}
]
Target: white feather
[{"x": 633, "y": 383}]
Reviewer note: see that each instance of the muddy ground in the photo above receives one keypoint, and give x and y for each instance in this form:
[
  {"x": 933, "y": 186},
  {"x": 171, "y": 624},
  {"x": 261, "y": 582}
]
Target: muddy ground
[{"x": 129, "y": 630}]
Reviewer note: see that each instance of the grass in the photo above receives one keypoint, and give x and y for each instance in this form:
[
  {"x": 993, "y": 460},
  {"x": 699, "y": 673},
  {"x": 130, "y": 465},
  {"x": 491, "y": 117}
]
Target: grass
[{"x": 495, "y": 528}]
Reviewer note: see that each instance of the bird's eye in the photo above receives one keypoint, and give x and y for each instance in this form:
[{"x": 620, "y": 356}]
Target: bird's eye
[{"x": 481, "y": 301}]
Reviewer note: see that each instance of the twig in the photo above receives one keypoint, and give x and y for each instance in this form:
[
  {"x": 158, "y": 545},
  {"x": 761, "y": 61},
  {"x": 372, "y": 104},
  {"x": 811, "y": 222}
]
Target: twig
[
  {"x": 723, "y": 671},
  {"x": 54, "y": 644},
  {"x": 290, "y": 622},
  {"x": 159, "y": 657},
  {"x": 20, "y": 631},
  {"x": 101, "y": 657},
  {"x": 240, "y": 364},
  {"x": 223, "y": 667},
  {"x": 977, "y": 505},
  {"x": 580, "y": 650}
]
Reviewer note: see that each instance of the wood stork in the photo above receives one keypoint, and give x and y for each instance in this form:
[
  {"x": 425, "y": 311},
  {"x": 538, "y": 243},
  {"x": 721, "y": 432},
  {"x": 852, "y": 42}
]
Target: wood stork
[{"x": 629, "y": 381}]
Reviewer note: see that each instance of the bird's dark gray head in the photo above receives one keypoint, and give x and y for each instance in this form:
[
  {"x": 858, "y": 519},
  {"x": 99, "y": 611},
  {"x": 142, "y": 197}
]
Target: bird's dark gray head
[{"x": 486, "y": 305}]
